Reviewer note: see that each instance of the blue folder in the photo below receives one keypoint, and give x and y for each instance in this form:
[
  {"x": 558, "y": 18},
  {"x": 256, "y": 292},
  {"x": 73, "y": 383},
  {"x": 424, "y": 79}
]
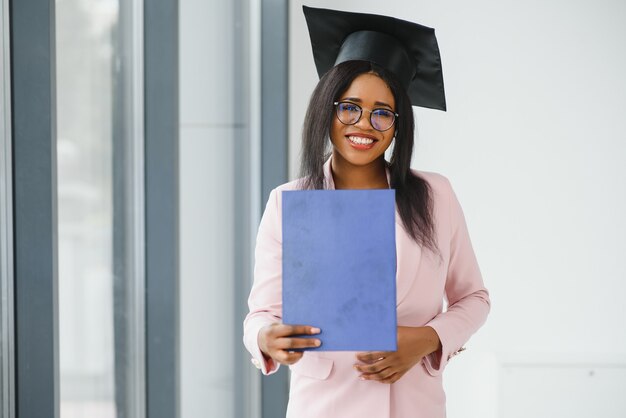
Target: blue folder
[{"x": 339, "y": 266}]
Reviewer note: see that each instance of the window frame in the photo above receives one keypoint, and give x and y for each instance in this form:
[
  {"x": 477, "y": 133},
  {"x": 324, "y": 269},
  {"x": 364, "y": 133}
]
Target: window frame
[
  {"x": 33, "y": 196},
  {"x": 7, "y": 406}
]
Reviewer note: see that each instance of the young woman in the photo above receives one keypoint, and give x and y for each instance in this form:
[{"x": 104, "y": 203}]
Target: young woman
[{"x": 359, "y": 108}]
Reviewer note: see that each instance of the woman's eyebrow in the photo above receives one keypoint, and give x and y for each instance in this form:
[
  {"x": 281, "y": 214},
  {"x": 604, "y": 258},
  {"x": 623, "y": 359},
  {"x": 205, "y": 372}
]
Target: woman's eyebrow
[
  {"x": 357, "y": 100},
  {"x": 383, "y": 104}
]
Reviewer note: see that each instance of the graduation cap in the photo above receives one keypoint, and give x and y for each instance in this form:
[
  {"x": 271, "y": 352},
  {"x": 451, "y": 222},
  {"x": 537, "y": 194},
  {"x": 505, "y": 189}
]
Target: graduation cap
[{"x": 406, "y": 49}]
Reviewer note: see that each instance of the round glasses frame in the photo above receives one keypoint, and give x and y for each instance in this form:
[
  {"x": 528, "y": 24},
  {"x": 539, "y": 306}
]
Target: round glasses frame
[{"x": 372, "y": 112}]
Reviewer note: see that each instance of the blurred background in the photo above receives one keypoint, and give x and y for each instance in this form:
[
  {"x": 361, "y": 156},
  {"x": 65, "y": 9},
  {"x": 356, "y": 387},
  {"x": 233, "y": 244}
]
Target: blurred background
[{"x": 534, "y": 142}]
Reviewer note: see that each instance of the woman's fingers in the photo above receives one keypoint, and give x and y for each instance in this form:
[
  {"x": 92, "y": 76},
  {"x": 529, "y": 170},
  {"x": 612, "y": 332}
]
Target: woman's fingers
[
  {"x": 284, "y": 337},
  {"x": 378, "y": 367},
  {"x": 290, "y": 343},
  {"x": 283, "y": 344},
  {"x": 392, "y": 378},
  {"x": 370, "y": 357},
  {"x": 374, "y": 367},
  {"x": 289, "y": 357},
  {"x": 282, "y": 330},
  {"x": 285, "y": 348},
  {"x": 386, "y": 374},
  {"x": 377, "y": 375}
]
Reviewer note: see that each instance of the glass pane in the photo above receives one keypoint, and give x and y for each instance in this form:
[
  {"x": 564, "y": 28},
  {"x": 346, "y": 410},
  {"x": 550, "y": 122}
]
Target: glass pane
[{"x": 97, "y": 323}]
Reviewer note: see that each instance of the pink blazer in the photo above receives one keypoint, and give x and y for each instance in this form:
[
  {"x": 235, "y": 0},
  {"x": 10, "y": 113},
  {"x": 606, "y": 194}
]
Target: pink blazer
[{"x": 324, "y": 384}]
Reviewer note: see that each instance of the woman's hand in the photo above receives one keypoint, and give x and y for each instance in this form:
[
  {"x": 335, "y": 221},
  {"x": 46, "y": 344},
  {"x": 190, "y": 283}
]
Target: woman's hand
[
  {"x": 277, "y": 341},
  {"x": 390, "y": 366}
]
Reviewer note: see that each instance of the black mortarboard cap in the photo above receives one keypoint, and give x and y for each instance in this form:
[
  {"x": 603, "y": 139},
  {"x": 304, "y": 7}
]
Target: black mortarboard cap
[{"x": 406, "y": 49}]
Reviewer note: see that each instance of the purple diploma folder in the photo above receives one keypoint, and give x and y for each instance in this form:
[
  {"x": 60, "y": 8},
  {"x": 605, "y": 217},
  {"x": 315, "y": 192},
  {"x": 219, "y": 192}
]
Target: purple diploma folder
[{"x": 339, "y": 267}]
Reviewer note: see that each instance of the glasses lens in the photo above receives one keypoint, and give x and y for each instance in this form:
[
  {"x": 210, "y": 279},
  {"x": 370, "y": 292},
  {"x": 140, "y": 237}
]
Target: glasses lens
[
  {"x": 382, "y": 119},
  {"x": 348, "y": 113}
]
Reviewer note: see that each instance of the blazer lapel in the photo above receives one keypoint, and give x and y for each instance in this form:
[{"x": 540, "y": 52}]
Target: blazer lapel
[{"x": 408, "y": 257}]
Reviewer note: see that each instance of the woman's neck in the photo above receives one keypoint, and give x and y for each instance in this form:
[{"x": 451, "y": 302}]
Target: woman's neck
[{"x": 348, "y": 176}]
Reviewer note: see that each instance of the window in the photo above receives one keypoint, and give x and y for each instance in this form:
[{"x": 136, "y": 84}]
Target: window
[{"x": 99, "y": 210}]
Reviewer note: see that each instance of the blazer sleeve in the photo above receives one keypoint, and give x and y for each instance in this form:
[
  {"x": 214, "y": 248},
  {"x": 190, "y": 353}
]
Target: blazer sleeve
[
  {"x": 265, "y": 300},
  {"x": 468, "y": 299}
]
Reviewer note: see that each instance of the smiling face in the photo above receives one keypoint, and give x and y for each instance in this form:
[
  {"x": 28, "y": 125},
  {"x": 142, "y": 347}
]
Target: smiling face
[{"x": 360, "y": 144}]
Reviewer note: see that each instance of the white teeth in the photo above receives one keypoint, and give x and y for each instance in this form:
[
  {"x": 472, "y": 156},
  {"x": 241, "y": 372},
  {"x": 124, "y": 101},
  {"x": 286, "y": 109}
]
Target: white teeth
[{"x": 360, "y": 140}]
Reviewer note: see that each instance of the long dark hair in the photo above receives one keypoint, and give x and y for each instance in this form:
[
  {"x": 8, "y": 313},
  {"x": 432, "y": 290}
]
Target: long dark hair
[{"x": 413, "y": 195}]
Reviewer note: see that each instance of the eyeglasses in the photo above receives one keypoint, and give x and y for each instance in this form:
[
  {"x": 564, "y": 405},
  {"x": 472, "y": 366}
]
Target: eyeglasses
[{"x": 350, "y": 113}]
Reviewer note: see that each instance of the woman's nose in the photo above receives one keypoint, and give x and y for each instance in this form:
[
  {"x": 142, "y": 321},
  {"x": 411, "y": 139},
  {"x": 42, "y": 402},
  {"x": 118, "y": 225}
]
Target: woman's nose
[{"x": 364, "y": 123}]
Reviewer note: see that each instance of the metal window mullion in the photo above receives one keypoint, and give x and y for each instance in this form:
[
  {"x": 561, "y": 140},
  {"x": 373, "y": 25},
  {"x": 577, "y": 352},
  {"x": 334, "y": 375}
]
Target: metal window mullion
[
  {"x": 33, "y": 123},
  {"x": 7, "y": 387},
  {"x": 246, "y": 64},
  {"x": 129, "y": 219},
  {"x": 274, "y": 150},
  {"x": 161, "y": 208},
  {"x": 137, "y": 208},
  {"x": 253, "y": 377},
  {"x": 274, "y": 94}
]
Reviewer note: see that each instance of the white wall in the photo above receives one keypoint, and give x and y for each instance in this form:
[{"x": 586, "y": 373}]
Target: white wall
[{"x": 534, "y": 142}]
